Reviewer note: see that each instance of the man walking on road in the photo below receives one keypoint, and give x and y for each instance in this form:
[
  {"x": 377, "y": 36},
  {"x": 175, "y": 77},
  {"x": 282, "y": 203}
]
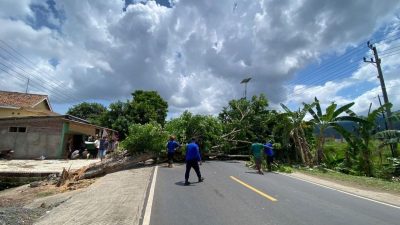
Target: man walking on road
[
  {"x": 192, "y": 160},
  {"x": 256, "y": 150},
  {"x": 172, "y": 146},
  {"x": 269, "y": 151}
]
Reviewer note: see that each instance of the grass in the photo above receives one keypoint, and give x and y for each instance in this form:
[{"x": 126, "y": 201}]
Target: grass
[{"x": 368, "y": 183}]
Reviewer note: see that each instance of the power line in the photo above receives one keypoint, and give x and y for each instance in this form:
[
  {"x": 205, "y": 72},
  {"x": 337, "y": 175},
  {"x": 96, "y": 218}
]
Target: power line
[
  {"x": 306, "y": 89},
  {"x": 332, "y": 65},
  {"x": 21, "y": 75},
  {"x": 30, "y": 75},
  {"x": 55, "y": 85},
  {"x": 393, "y": 53},
  {"x": 333, "y": 73}
]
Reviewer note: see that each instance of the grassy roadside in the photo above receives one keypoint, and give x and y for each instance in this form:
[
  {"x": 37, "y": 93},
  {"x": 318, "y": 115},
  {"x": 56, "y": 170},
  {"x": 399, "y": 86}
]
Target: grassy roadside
[{"x": 366, "y": 183}]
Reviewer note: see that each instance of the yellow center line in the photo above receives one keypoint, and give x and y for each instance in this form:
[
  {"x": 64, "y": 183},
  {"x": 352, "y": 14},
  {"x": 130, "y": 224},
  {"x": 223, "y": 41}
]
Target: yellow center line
[{"x": 254, "y": 189}]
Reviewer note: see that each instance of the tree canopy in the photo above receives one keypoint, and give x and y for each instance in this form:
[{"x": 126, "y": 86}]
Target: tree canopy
[
  {"x": 91, "y": 112},
  {"x": 147, "y": 106}
]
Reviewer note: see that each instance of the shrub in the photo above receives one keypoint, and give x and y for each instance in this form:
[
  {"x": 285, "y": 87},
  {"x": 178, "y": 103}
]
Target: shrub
[{"x": 145, "y": 138}]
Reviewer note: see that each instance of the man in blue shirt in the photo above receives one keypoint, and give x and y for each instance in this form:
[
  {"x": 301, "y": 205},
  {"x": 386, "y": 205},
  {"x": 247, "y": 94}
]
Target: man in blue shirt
[
  {"x": 269, "y": 151},
  {"x": 103, "y": 147},
  {"x": 192, "y": 160},
  {"x": 172, "y": 146}
]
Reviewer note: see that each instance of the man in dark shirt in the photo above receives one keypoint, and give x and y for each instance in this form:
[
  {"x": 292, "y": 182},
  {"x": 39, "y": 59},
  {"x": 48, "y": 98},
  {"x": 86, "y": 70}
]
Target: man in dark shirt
[
  {"x": 172, "y": 146},
  {"x": 268, "y": 150},
  {"x": 192, "y": 160}
]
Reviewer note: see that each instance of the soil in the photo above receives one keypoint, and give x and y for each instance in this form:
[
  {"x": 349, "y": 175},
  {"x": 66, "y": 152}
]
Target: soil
[{"x": 14, "y": 201}]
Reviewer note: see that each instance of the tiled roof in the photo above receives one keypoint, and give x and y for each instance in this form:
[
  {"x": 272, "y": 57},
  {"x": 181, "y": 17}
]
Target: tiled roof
[{"x": 16, "y": 99}]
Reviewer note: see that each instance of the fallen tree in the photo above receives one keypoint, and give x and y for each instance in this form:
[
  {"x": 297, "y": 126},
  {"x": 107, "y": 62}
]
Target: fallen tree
[{"x": 116, "y": 162}]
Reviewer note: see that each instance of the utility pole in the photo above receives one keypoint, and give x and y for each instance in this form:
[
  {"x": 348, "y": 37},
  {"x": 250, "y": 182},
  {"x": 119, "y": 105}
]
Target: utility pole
[
  {"x": 383, "y": 114},
  {"x": 377, "y": 61}
]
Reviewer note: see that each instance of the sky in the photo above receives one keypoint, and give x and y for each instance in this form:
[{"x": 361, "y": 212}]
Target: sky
[{"x": 196, "y": 53}]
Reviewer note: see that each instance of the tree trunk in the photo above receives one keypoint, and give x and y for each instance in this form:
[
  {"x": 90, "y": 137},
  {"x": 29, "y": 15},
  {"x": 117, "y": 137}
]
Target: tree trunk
[
  {"x": 104, "y": 167},
  {"x": 306, "y": 148},
  {"x": 297, "y": 143}
]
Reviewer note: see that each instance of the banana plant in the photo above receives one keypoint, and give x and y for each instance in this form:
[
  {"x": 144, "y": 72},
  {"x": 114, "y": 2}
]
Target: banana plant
[
  {"x": 330, "y": 118},
  {"x": 296, "y": 131},
  {"x": 359, "y": 141}
]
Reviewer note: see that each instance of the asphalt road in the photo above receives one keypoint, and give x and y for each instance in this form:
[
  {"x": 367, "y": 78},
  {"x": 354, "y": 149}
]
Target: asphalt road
[{"x": 221, "y": 200}]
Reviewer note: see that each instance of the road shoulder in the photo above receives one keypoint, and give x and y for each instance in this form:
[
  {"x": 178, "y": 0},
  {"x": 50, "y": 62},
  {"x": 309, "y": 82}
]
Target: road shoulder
[
  {"x": 374, "y": 195},
  {"x": 116, "y": 198}
]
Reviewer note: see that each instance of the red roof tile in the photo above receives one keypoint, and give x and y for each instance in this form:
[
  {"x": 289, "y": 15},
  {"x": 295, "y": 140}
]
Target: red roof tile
[{"x": 16, "y": 99}]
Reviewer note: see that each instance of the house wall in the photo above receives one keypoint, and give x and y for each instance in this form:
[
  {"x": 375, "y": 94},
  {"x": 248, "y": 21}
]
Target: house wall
[
  {"x": 18, "y": 113},
  {"x": 42, "y": 137}
]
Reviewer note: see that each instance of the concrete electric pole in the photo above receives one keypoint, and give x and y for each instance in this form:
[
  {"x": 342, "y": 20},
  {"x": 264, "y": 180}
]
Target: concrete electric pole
[{"x": 377, "y": 61}]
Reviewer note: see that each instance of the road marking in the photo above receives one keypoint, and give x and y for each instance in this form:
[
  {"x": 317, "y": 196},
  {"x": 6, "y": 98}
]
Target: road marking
[
  {"x": 254, "y": 189},
  {"x": 147, "y": 213},
  {"x": 344, "y": 192}
]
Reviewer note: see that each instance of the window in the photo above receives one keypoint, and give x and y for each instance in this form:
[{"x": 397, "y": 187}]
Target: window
[
  {"x": 17, "y": 129},
  {"x": 22, "y": 129},
  {"x": 13, "y": 129}
]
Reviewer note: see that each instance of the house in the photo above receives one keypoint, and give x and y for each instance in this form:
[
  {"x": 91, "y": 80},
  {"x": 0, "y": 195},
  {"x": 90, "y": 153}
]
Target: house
[
  {"x": 30, "y": 127},
  {"x": 15, "y": 104}
]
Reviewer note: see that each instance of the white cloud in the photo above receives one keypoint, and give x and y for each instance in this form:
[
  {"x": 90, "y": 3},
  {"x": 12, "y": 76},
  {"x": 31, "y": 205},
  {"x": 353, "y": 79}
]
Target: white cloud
[{"x": 196, "y": 53}]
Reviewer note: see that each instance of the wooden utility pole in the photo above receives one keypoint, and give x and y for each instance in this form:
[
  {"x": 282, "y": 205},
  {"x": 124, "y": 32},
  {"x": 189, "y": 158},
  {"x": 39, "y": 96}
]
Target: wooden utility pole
[{"x": 377, "y": 61}]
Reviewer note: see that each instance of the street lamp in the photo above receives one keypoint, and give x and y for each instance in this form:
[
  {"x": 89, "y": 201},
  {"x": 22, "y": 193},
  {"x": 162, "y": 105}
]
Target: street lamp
[{"x": 245, "y": 81}]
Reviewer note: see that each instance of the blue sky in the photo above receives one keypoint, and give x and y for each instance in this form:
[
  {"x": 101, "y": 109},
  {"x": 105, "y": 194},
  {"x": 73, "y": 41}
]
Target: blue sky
[{"x": 195, "y": 53}]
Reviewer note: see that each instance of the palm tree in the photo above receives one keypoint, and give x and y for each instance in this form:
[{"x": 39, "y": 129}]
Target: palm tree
[
  {"x": 329, "y": 119},
  {"x": 296, "y": 132}
]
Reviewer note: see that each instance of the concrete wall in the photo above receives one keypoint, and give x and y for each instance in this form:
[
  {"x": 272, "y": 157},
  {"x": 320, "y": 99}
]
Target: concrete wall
[{"x": 42, "y": 137}]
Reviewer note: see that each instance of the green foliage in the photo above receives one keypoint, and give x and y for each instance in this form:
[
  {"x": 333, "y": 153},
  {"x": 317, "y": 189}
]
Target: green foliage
[
  {"x": 358, "y": 181},
  {"x": 148, "y": 137},
  {"x": 206, "y": 129},
  {"x": 359, "y": 141},
  {"x": 388, "y": 137},
  {"x": 329, "y": 119},
  {"x": 117, "y": 118},
  {"x": 147, "y": 106},
  {"x": 390, "y": 169},
  {"x": 334, "y": 154},
  {"x": 244, "y": 121},
  {"x": 88, "y": 111},
  {"x": 284, "y": 169},
  {"x": 293, "y": 127}
]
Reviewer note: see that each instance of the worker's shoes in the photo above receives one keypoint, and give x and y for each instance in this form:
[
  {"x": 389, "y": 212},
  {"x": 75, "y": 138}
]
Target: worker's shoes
[
  {"x": 201, "y": 179},
  {"x": 187, "y": 183}
]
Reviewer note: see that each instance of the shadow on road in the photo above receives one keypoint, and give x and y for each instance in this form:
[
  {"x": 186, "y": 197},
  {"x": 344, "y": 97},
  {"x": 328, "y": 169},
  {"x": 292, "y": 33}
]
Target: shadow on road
[
  {"x": 253, "y": 172},
  {"x": 182, "y": 183}
]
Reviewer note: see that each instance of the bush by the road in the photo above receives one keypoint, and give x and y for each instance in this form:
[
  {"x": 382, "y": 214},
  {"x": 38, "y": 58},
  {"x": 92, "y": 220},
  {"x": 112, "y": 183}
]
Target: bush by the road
[{"x": 148, "y": 137}]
